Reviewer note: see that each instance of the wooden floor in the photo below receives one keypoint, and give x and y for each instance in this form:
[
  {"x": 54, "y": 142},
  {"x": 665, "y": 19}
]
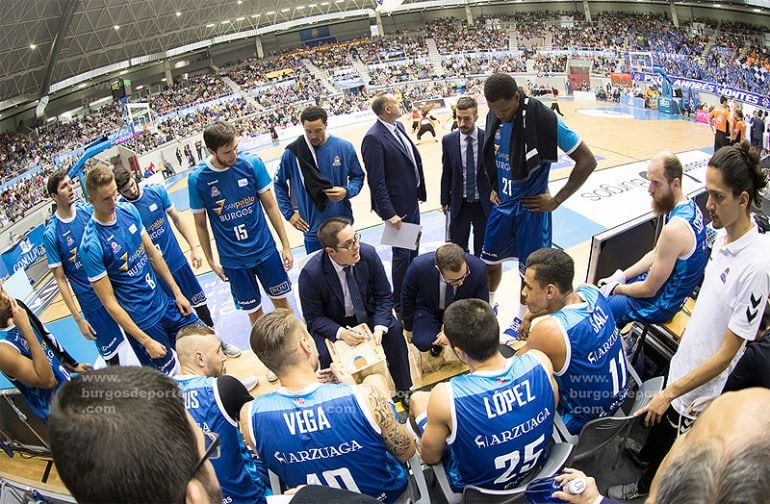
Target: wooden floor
[{"x": 617, "y": 140}]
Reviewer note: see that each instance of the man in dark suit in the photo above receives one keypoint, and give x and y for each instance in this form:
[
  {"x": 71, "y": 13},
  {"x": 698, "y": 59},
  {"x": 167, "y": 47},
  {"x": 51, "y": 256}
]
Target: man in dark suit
[
  {"x": 345, "y": 285},
  {"x": 395, "y": 177},
  {"x": 465, "y": 187},
  {"x": 434, "y": 281}
]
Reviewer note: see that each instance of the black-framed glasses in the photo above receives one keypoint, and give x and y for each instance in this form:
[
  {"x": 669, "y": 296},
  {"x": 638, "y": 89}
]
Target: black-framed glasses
[
  {"x": 213, "y": 450},
  {"x": 352, "y": 243},
  {"x": 455, "y": 281}
]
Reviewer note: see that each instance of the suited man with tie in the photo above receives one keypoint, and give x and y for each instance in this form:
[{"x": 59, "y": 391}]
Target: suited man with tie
[
  {"x": 434, "y": 281},
  {"x": 395, "y": 177},
  {"x": 345, "y": 285},
  {"x": 465, "y": 187}
]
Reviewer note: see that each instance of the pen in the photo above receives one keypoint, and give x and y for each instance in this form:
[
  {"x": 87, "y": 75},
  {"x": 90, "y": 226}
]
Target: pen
[{"x": 357, "y": 332}]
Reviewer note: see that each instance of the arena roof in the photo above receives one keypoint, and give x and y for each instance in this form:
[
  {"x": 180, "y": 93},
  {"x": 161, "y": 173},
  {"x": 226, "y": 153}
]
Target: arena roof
[{"x": 47, "y": 45}]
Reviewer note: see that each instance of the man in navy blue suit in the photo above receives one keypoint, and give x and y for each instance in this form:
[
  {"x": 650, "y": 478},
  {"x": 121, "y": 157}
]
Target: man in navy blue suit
[
  {"x": 396, "y": 181},
  {"x": 434, "y": 281},
  {"x": 345, "y": 285},
  {"x": 465, "y": 187}
]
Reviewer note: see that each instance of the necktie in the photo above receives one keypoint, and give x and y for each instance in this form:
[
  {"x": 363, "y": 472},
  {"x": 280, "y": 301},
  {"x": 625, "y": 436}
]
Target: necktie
[
  {"x": 355, "y": 296},
  {"x": 449, "y": 296},
  {"x": 470, "y": 170},
  {"x": 408, "y": 146}
]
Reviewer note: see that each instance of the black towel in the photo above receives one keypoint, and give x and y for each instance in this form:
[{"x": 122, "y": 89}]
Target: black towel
[
  {"x": 315, "y": 182},
  {"x": 535, "y": 132},
  {"x": 48, "y": 338}
]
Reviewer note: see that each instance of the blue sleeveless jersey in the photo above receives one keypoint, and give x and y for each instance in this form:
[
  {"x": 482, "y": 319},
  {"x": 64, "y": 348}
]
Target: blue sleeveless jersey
[
  {"x": 153, "y": 203},
  {"x": 236, "y": 467},
  {"x": 115, "y": 249},
  {"x": 501, "y": 424},
  {"x": 510, "y": 190},
  {"x": 687, "y": 270},
  {"x": 593, "y": 382},
  {"x": 62, "y": 241},
  {"x": 39, "y": 399},
  {"x": 324, "y": 436},
  {"x": 230, "y": 197}
]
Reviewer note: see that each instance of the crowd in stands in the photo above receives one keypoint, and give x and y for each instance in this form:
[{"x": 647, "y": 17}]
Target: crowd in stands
[{"x": 726, "y": 53}]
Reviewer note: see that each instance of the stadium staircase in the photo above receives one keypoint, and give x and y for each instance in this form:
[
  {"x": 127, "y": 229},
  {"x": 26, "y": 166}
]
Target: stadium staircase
[
  {"x": 435, "y": 56},
  {"x": 362, "y": 69},
  {"x": 236, "y": 88},
  {"x": 513, "y": 40},
  {"x": 322, "y": 77}
]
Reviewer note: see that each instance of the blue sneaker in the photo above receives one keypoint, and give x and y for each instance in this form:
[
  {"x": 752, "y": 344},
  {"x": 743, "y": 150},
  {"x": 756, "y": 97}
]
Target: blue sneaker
[{"x": 512, "y": 333}]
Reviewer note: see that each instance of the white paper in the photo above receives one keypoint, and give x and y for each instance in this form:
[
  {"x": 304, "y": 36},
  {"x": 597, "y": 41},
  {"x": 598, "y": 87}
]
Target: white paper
[{"x": 407, "y": 237}]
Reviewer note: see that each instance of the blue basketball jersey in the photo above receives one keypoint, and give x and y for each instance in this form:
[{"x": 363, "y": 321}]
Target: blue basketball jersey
[
  {"x": 687, "y": 270},
  {"x": 62, "y": 241},
  {"x": 593, "y": 382},
  {"x": 153, "y": 203},
  {"x": 115, "y": 249},
  {"x": 236, "y": 467},
  {"x": 324, "y": 436},
  {"x": 230, "y": 197},
  {"x": 501, "y": 424},
  {"x": 39, "y": 399},
  {"x": 510, "y": 191}
]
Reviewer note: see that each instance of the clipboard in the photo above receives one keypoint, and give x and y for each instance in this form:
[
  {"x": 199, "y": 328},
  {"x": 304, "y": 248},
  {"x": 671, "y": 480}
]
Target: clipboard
[{"x": 408, "y": 237}]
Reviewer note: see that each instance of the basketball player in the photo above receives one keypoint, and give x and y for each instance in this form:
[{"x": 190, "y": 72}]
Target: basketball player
[
  {"x": 61, "y": 239},
  {"x": 121, "y": 262},
  {"x": 490, "y": 427}
]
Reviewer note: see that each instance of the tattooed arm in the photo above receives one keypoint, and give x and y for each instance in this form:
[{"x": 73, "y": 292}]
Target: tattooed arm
[{"x": 397, "y": 439}]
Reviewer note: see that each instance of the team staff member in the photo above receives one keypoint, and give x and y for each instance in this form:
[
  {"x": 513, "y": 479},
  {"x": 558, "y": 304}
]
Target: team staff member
[
  {"x": 61, "y": 239},
  {"x": 395, "y": 177},
  {"x": 722, "y": 125},
  {"x": 727, "y": 314},
  {"x": 520, "y": 144},
  {"x": 232, "y": 190},
  {"x": 317, "y": 177},
  {"x": 121, "y": 263}
]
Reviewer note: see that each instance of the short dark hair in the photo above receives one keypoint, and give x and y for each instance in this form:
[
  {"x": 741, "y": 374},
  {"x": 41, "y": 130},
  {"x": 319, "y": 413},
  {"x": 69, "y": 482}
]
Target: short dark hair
[
  {"x": 52, "y": 185},
  {"x": 739, "y": 164},
  {"x": 100, "y": 427},
  {"x": 122, "y": 176},
  {"x": 500, "y": 86},
  {"x": 471, "y": 325},
  {"x": 706, "y": 475},
  {"x": 450, "y": 257},
  {"x": 329, "y": 229},
  {"x": 672, "y": 167},
  {"x": 271, "y": 337},
  {"x": 219, "y": 134},
  {"x": 722, "y": 100},
  {"x": 313, "y": 113},
  {"x": 379, "y": 103},
  {"x": 466, "y": 102},
  {"x": 552, "y": 266}
]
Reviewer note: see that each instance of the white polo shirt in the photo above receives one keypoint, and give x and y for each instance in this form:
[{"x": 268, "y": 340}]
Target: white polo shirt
[{"x": 733, "y": 296}]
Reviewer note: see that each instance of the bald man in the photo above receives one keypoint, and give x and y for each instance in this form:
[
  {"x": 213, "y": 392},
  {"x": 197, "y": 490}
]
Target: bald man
[
  {"x": 654, "y": 289},
  {"x": 722, "y": 459},
  {"x": 214, "y": 400}
]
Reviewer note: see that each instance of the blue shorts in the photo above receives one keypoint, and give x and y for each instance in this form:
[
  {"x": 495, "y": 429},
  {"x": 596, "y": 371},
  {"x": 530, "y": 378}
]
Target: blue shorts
[
  {"x": 188, "y": 284},
  {"x": 515, "y": 232},
  {"x": 109, "y": 335},
  {"x": 244, "y": 286},
  {"x": 164, "y": 332}
]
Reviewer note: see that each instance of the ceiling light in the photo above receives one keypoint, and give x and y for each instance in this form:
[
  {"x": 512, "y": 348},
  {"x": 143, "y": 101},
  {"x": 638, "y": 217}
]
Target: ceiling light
[
  {"x": 757, "y": 10},
  {"x": 270, "y": 13},
  {"x": 240, "y": 2},
  {"x": 163, "y": 79},
  {"x": 240, "y": 18},
  {"x": 141, "y": 86},
  {"x": 255, "y": 15},
  {"x": 312, "y": 5},
  {"x": 117, "y": 27},
  {"x": 83, "y": 85},
  {"x": 33, "y": 46},
  {"x": 225, "y": 21},
  {"x": 178, "y": 13},
  {"x": 300, "y": 7},
  {"x": 338, "y": 1},
  {"x": 285, "y": 10},
  {"x": 210, "y": 25},
  {"x": 324, "y": 3},
  {"x": 717, "y": 5}
]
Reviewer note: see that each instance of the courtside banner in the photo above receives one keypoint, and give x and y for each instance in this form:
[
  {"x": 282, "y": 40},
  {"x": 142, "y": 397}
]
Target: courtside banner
[
  {"x": 706, "y": 87},
  {"x": 26, "y": 251}
]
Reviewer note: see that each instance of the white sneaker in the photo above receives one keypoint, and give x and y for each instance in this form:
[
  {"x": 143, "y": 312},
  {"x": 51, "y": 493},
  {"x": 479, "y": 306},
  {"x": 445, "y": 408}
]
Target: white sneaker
[
  {"x": 230, "y": 350},
  {"x": 271, "y": 377},
  {"x": 250, "y": 382}
]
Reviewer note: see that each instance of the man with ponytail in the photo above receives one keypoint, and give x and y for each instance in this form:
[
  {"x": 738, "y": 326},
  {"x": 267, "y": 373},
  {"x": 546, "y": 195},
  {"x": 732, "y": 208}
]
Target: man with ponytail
[{"x": 727, "y": 314}]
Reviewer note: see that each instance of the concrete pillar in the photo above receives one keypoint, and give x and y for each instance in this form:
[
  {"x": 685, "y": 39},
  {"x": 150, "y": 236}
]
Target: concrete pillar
[
  {"x": 260, "y": 49},
  {"x": 167, "y": 73},
  {"x": 587, "y": 10},
  {"x": 674, "y": 15},
  {"x": 469, "y": 14},
  {"x": 379, "y": 23}
]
